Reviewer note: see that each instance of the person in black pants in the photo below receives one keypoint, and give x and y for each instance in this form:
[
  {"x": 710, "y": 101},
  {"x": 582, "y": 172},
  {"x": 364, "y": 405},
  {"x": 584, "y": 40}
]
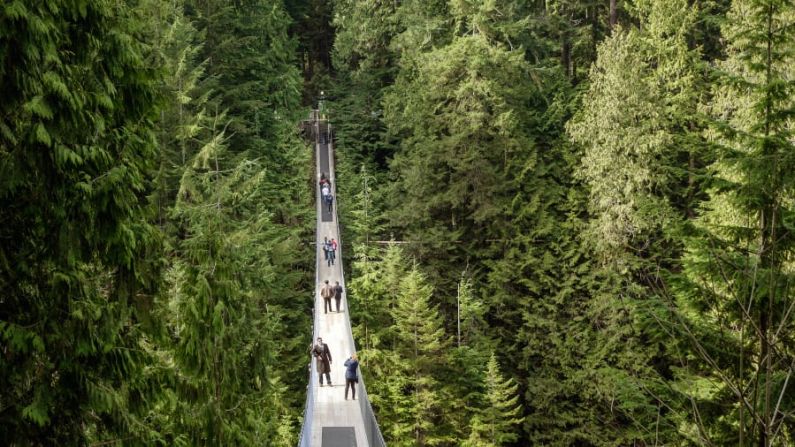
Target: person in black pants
[
  {"x": 330, "y": 253},
  {"x": 338, "y": 294},
  {"x": 351, "y": 377},
  {"x": 326, "y": 293},
  {"x": 330, "y": 201},
  {"x": 323, "y": 356}
]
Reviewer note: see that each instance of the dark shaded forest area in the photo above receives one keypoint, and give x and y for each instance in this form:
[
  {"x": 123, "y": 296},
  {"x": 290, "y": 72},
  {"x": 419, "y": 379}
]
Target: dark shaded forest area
[{"x": 567, "y": 221}]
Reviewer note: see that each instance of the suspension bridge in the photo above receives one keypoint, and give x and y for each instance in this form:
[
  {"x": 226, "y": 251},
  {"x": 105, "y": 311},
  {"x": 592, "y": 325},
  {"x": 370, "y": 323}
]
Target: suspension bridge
[{"x": 329, "y": 419}]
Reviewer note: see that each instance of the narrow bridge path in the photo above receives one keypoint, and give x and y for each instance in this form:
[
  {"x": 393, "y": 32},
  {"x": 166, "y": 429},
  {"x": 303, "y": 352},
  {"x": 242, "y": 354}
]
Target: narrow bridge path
[{"x": 330, "y": 420}]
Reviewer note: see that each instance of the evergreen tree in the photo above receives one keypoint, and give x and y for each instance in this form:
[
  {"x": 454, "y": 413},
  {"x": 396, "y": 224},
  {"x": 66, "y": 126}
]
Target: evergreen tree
[
  {"x": 495, "y": 425},
  {"x": 461, "y": 122},
  {"x": 250, "y": 69},
  {"x": 734, "y": 294},
  {"x": 227, "y": 336},
  {"x": 78, "y": 260},
  {"x": 642, "y": 159},
  {"x": 420, "y": 343},
  {"x": 176, "y": 47},
  {"x": 312, "y": 27}
]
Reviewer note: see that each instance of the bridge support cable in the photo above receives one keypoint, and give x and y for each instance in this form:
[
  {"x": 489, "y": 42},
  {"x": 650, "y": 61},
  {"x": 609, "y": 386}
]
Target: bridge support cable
[{"x": 327, "y": 411}]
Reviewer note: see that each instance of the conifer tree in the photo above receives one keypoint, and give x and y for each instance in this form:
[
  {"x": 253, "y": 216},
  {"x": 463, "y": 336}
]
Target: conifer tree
[
  {"x": 420, "y": 343},
  {"x": 734, "y": 295},
  {"x": 176, "y": 46},
  {"x": 365, "y": 30},
  {"x": 374, "y": 287},
  {"x": 78, "y": 261},
  {"x": 461, "y": 122},
  {"x": 496, "y": 423},
  {"x": 250, "y": 67},
  {"x": 639, "y": 128},
  {"x": 226, "y": 334}
]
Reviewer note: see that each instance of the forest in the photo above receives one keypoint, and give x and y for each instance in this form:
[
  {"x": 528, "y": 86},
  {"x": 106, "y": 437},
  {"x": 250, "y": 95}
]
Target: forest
[{"x": 567, "y": 222}]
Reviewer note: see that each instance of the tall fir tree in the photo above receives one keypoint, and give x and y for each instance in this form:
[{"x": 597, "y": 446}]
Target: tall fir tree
[
  {"x": 420, "y": 343},
  {"x": 79, "y": 261},
  {"x": 734, "y": 293},
  {"x": 643, "y": 164},
  {"x": 496, "y": 422}
]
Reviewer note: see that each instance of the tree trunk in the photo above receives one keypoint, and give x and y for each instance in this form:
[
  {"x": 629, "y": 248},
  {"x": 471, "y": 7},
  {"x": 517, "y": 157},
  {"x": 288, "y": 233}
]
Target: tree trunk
[
  {"x": 565, "y": 53},
  {"x": 613, "y": 14},
  {"x": 764, "y": 357}
]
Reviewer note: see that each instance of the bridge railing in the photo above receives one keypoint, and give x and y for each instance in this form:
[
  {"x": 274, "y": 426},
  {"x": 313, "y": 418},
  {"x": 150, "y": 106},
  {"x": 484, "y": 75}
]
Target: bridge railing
[
  {"x": 373, "y": 431},
  {"x": 309, "y": 409}
]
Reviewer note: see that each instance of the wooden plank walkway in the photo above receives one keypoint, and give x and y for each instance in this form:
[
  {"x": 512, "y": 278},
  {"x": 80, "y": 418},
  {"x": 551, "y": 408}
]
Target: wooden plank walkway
[{"x": 330, "y": 408}]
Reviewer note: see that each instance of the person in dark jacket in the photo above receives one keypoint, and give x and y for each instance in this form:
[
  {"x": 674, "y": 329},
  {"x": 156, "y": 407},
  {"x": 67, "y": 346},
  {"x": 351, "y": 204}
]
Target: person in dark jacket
[
  {"x": 329, "y": 253},
  {"x": 338, "y": 294},
  {"x": 329, "y": 202},
  {"x": 323, "y": 357},
  {"x": 351, "y": 376}
]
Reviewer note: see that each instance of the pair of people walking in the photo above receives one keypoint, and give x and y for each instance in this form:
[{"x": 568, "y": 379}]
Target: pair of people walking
[
  {"x": 330, "y": 250},
  {"x": 324, "y": 181},
  {"x": 327, "y": 292},
  {"x": 322, "y": 355}
]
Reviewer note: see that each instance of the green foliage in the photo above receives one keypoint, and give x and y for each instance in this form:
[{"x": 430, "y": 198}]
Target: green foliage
[
  {"x": 95, "y": 146},
  {"x": 604, "y": 200},
  {"x": 576, "y": 246},
  {"x": 405, "y": 343},
  {"x": 250, "y": 68},
  {"x": 735, "y": 282},
  {"x": 76, "y": 266},
  {"x": 223, "y": 327},
  {"x": 495, "y": 424},
  {"x": 631, "y": 126},
  {"x": 313, "y": 30}
]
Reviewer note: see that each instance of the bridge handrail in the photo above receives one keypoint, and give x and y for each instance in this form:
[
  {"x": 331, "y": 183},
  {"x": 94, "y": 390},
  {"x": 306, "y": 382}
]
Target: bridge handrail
[
  {"x": 306, "y": 431},
  {"x": 374, "y": 436}
]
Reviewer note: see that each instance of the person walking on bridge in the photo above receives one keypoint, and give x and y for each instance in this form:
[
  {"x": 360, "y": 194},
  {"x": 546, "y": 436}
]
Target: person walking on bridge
[
  {"x": 324, "y": 181},
  {"x": 330, "y": 202},
  {"x": 326, "y": 293},
  {"x": 351, "y": 377},
  {"x": 330, "y": 253},
  {"x": 338, "y": 291},
  {"x": 323, "y": 357}
]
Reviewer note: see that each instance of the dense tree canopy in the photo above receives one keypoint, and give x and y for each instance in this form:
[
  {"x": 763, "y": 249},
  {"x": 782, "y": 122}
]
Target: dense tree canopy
[{"x": 568, "y": 221}]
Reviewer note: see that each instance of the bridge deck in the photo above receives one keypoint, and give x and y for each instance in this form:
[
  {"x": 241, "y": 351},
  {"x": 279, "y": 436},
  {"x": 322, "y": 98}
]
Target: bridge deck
[{"x": 330, "y": 409}]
